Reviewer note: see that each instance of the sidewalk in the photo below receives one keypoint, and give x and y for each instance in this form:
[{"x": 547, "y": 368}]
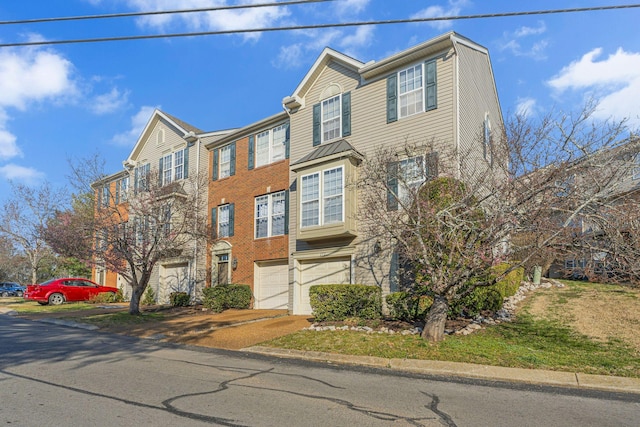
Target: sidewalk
[{"x": 466, "y": 370}]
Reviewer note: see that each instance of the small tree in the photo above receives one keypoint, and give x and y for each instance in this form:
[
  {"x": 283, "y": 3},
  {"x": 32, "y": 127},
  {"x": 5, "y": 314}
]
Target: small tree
[{"x": 449, "y": 214}]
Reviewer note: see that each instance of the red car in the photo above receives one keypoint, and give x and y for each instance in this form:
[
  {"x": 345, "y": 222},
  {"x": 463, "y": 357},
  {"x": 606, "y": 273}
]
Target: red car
[{"x": 57, "y": 291}]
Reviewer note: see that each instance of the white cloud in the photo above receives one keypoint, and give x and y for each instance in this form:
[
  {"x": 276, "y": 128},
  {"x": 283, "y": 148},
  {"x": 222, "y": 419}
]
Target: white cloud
[
  {"x": 519, "y": 42},
  {"x": 109, "y": 102},
  {"x": 138, "y": 122},
  {"x": 615, "y": 81},
  {"x": 220, "y": 20},
  {"x": 20, "y": 173},
  {"x": 454, "y": 8},
  {"x": 298, "y": 54},
  {"x": 28, "y": 75},
  {"x": 350, "y": 7},
  {"x": 526, "y": 107}
]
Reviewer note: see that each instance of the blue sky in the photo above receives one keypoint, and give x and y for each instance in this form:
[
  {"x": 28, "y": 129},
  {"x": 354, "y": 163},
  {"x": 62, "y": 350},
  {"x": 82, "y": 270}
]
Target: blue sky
[{"x": 76, "y": 100}]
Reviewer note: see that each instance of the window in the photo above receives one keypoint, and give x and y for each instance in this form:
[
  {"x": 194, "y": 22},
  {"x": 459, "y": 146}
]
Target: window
[
  {"x": 322, "y": 199},
  {"x": 270, "y": 216},
  {"x": 487, "y": 145},
  {"x": 223, "y": 216},
  {"x": 224, "y": 161},
  {"x": 270, "y": 145},
  {"x": 411, "y": 91},
  {"x": 569, "y": 263},
  {"x": 406, "y": 176},
  {"x": 142, "y": 177},
  {"x": 165, "y": 220},
  {"x": 173, "y": 167},
  {"x": 332, "y": 118},
  {"x": 122, "y": 189},
  {"x": 105, "y": 196},
  {"x": 411, "y": 174}
]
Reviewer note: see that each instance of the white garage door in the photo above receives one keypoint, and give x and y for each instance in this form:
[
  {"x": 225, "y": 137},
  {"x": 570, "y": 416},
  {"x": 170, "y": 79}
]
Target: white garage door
[
  {"x": 321, "y": 272},
  {"x": 271, "y": 290}
]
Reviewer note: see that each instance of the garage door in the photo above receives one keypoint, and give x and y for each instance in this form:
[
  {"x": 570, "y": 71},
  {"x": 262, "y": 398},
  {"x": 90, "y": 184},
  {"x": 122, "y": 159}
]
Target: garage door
[
  {"x": 321, "y": 272},
  {"x": 271, "y": 290}
]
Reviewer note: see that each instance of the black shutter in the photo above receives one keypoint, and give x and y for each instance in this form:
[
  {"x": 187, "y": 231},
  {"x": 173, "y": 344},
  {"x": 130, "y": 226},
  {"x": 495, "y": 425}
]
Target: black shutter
[
  {"x": 251, "y": 151},
  {"x": 392, "y": 186},
  {"x": 317, "y": 112},
  {"x": 231, "y": 218},
  {"x": 431, "y": 93},
  {"x": 214, "y": 222},
  {"x": 286, "y": 212},
  {"x": 232, "y": 166},
  {"x": 216, "y": 154},
  {"x": 160, "y": 172},
  {"x": 346, "y": 114},
  {"x": 185, "y": 167},
  {"x": 392, "y": 98},
  {"x": 286, "y": 141}
]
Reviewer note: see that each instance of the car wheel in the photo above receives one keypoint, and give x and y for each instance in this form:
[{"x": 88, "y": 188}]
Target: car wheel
[
  {"x": 5, "y": 294},
  {"x": 19, "y": 294},
  {"x": 56, "y": 299}
]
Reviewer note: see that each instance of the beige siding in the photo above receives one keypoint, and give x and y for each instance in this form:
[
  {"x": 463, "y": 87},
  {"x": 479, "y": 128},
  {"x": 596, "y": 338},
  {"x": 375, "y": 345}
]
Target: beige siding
[{"x": 477, "y": 98}]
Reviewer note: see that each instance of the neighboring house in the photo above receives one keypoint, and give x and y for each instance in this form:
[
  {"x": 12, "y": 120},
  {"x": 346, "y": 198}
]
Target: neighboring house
[
  {"x": 248, "y": 201},
  {"x": 442, "y": 90},
  {"x": 169, "y": 151}
]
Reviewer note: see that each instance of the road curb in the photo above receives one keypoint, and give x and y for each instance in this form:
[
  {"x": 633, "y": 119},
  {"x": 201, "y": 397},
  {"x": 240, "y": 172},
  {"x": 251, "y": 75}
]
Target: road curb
[{"x": 466, "y": 370}]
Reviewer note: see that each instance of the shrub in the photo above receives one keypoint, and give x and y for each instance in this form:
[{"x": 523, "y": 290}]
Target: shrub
[
  {"x": 408, "y": 306},
  {"x": 179, "y": 299},
  {"x": 106, "y": 297},
  {"x": 509, "y": 285},
  {"x": 221, "y": 297},
  {"x": 149, "y": 297},
  {"x": 339, "y": 302}
]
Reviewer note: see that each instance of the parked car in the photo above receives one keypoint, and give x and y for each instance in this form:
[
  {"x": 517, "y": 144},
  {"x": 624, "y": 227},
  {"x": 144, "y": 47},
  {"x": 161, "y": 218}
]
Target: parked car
[
  {"x": 11, "y": 289},
  {"x": 57, "y": 291}
]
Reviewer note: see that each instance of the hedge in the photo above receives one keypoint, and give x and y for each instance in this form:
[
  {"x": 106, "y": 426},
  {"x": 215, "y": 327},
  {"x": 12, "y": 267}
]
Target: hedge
[
  {"x": 221, "y": 297},
  {"x": 408, "y": 306},
  {"x": 340, "y": 302},
  {"x": 179, "y": 299}
]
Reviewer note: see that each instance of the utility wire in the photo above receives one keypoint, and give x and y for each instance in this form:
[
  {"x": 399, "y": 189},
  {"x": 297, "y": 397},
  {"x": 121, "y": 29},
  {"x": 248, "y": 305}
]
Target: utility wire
[
  {"x": 320, "y": 26},
  {"x": 159, "y": 12}
]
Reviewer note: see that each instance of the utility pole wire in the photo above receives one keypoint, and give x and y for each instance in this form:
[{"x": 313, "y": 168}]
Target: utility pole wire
[
  {"x": 158, "y": 12},
  {"x": 320, "y": 26}
]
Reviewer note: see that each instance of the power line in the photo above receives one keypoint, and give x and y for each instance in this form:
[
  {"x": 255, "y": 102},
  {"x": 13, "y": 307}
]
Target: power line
[
  {"x": 321, "y": 26},
  {"x": 159, "y": 12}
]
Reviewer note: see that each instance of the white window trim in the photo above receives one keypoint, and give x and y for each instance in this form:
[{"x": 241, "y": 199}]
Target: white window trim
[
  {"x": 422, "y": 89},
  {"x": 271, "y": 146},
  {"x": 321, "y": 197},
  {"x": 487, "y": 140},
  {"x": 124, "y": 188},
  {"x": 270, "y": 214},
  {"x": 322, "y": 122},
  {"x": 219, "y": 217},
  {"x": 404, "y": 185},
  {"x": 169, "y": 174},
  {"x": 226, "y": 171}
]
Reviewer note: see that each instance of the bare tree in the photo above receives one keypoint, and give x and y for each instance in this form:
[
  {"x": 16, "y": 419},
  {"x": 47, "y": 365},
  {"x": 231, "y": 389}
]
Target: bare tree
[
  {"x": 23, "y": 220},
  {"x": 150, "y": 223},
  {"x": 450, "y": 215}
]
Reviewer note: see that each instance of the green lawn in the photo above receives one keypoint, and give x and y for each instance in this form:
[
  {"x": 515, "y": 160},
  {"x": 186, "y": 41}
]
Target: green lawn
[{"x": 528, "y": 342}]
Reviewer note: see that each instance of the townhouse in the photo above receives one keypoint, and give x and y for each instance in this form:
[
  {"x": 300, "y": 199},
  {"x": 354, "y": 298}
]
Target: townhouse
[
  {"x": 167, "y": 151},
  {"x": 283, "y": 207}
]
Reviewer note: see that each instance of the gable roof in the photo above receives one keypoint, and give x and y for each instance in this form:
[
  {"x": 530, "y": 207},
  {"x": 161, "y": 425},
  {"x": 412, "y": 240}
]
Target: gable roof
[
  {"x": 327, "y": 55},
  {"x": 180, "y": 127}
]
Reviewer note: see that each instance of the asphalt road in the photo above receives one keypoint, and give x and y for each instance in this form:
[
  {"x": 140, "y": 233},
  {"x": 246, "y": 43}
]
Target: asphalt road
[{"x": 52, "y": 375}]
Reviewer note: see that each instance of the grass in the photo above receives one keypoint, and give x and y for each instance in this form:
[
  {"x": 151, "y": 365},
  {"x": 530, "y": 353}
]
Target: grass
[
  {"x": 24, "y": 306},
  {"x": 122, "y": 318},
  {"x": 528, "y": 342}
]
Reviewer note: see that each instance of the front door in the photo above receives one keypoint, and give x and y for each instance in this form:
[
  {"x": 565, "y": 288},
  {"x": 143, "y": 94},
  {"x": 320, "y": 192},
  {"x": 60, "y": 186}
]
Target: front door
[{"x": 223, "y": 269}]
